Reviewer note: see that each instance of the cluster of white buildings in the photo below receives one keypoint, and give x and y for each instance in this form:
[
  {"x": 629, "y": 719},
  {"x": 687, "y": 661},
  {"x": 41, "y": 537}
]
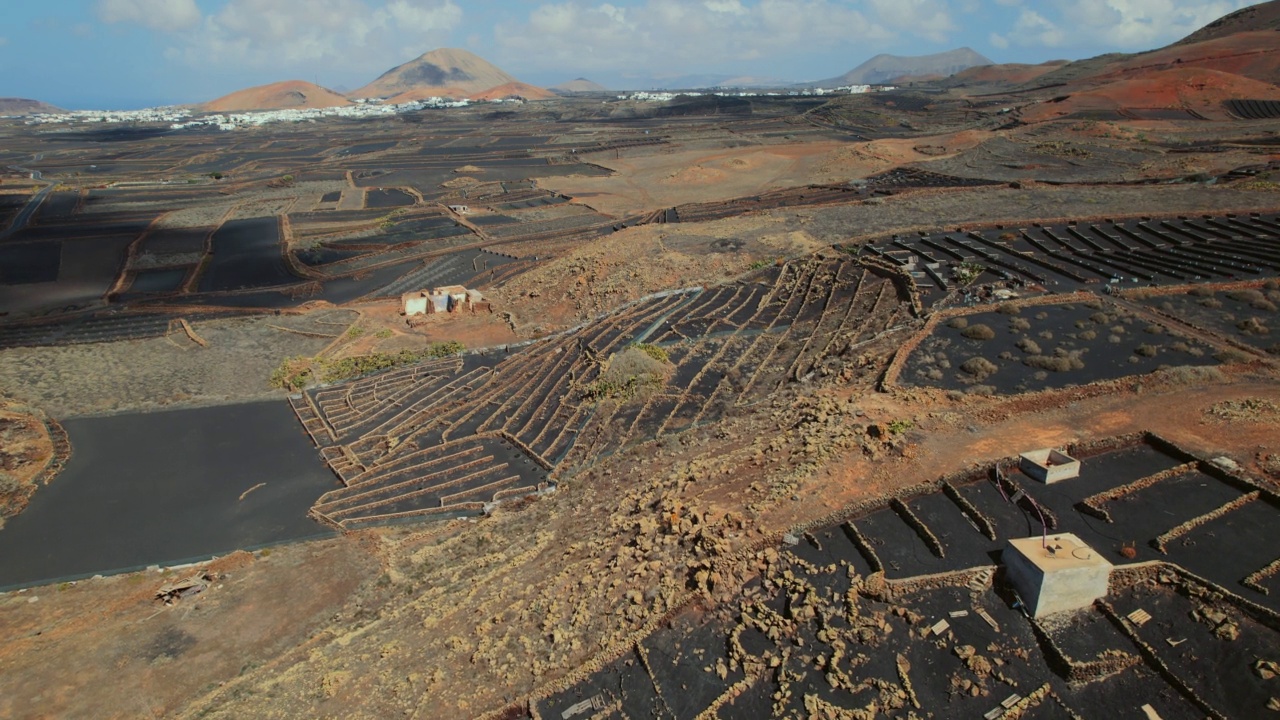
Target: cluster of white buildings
[
  {"x": 232, "y": 121},
  {"x": 643, "y": 96},
  {"x": 185, "y": 118},
  {"x": 147, "y": 115}
]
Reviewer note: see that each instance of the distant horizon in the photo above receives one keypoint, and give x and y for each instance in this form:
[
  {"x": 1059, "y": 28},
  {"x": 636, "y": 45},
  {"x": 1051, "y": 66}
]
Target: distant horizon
[{"x": 132, "y": 54}]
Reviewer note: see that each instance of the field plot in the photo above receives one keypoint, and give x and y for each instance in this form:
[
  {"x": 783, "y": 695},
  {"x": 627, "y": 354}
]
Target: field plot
[
  {"x": 382, "y": 198},
  {"x": 565, "y": 400},
  {"x": 1254, "y": 109},
  {"x": 246, "y": 254},
  {"x": 470, "y": 269},
  {"x": 30, "y": 262},
  {"x": 1015, "y": 350},
  {"x": 886, "y": 183},
  {"x": 1246, "y": 315},
  {"x": 1153, "y": 251},
  {"x": 161, "y": 488},
  {"x": 900, "y": 609}
]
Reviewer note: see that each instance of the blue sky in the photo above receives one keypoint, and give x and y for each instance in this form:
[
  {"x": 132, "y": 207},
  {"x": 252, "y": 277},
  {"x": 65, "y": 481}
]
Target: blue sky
[{"x": 135, "y": 53}]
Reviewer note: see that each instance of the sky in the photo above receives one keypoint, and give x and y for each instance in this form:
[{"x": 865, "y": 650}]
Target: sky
[{"x": 123, "y": 54}]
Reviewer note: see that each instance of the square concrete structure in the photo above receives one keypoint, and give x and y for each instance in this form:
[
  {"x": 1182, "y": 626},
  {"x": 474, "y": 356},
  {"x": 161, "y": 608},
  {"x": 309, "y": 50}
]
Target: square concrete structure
[
  {"x": 1048, "y": 465},
  {"x": 414, "y": 303},
  {"x": 1056, "y": 575}
]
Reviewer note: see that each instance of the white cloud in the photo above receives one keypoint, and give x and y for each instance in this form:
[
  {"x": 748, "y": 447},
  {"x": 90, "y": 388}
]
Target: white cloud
[
  {"x": 1113, "y": 24},
  {"x": 353, "y": 37},
  {"x": 164, "y": 15},
  {"x": 926, "y": 18},
  {"x": 657, "y": 37}
]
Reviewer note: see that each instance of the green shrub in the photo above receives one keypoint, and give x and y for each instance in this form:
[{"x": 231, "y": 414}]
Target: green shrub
[
  {"x": 897, "y": 427},
  {"x": 299, "y": 372},
  {"x": 653, "y": 351}
]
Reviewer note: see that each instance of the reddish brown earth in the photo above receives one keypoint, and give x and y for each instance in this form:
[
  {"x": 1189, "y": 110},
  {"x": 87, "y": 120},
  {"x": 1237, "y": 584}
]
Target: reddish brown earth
[
  {"x": 1195, "y": 89},
  {"x": 514, "y": 89},
  {"x": 292, "y": 94},
  {"x": 1007, "y": 74}
]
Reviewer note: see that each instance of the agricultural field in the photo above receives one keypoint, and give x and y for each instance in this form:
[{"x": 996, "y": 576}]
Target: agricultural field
[
  {"x": 734, "y": 431},
  {"x": 896, "y": 608},
  {"x": 454, "y": 435}
]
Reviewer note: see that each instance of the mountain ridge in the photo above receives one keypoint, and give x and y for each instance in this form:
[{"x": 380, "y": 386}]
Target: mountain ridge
[{"x": 884, "y": 68}]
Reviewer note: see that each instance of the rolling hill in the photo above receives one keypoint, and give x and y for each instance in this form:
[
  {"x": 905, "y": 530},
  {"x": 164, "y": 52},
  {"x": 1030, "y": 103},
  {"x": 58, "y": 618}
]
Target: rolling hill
[
  {"x": 23, "y": 106},
  {"x": 581, "y": 85},
  {"x": 887, "y": 68},
  {"x": 277, "y": 96}
]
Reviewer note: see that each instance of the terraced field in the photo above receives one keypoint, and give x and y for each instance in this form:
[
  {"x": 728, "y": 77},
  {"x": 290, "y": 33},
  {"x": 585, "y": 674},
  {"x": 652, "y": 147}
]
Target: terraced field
[
  {"x": 449, "y": 436},
  {"x": 1159, "y": 251},
  {"x": 900, "y": 608}
]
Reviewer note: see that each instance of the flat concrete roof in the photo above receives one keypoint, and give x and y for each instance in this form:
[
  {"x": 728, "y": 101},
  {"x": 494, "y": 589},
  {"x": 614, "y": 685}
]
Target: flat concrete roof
[{"x": 1061, "y": 551}]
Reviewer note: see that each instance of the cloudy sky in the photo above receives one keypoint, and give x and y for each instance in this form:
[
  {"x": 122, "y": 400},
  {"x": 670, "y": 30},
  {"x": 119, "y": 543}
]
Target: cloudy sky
[{"x": 135, "y": 53}]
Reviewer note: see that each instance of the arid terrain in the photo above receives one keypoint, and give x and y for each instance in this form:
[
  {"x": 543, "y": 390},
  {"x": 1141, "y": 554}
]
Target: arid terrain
[{"x": 737, "y": 433}]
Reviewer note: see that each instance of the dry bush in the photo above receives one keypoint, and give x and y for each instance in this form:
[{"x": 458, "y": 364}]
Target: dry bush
[
  {"x": 1042, "y": 315},
  {"x": 1009, "y": 309},
  {"x": 1202, "y": 292},
  {"x": 1245, "y": 296},
  {"x": 1211, "y": 303},
  {"x": 958, "y": 323},
  {"x": 1100, "y": 318},
  {"x": 1253, "y": 326},
  {"x": 1019, "y": 325},
  {"x": 983, "y": 390},
  {"x": 1145, "y": 350},
  {"x": 1088, "y": 335},
  {"x": 979, "y": 367},
  {"x": 979, "y": 332},
  {"x": 1029, "y": 346},
  {"x": 1046, "y": 335},
  {"x": 1231, "y": 355},
  {"x": 1055, "y": 363},
  {"x": 1154, "y": 329},
  {"x": 1195, "y": 374}
]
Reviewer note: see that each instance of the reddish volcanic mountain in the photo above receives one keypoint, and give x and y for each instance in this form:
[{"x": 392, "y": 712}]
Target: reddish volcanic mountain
[
  {"x": 445, "y": 72},
  {"x": 278, "y": 96},
  {"x": 1234, "y": 58}
]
